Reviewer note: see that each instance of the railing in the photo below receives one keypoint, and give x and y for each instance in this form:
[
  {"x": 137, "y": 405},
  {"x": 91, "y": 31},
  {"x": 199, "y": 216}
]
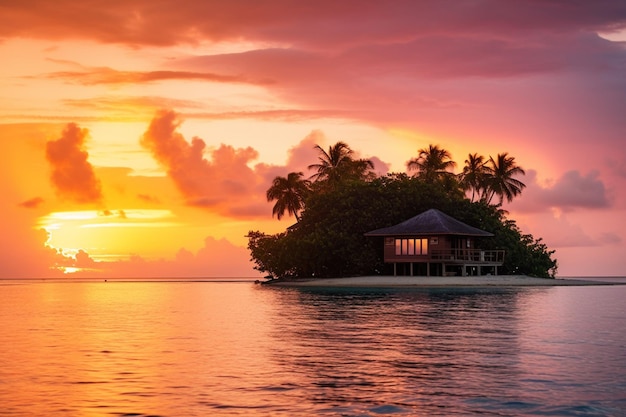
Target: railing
[{"x": 468, "y": 255}]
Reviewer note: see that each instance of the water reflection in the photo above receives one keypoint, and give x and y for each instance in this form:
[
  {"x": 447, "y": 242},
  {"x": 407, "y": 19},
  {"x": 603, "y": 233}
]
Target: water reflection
[
  {"x": 123, "y": 348},
  {"x": 196, "y": 349},
  {"x": 412, "y": 351}
]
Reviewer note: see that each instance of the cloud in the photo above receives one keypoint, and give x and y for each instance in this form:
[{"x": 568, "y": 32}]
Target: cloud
[
  {"x": 222, "y": 179},
  {"x": 32, "y": 203},
  {"x": 72, "y": 175},
  {"x": 25, "y": 253},
  {"x": 573, "y": 190},
  {"x": 302, "y": 155},
  {"x": 450, "y": 85},
  {"x": 224, "y": 182},
  {"x": 380, "y": 167},
  {"x": 140, "y": 107},
  {"x": 561, "y": 232},
  {"x": 285, "y": 115},
  {"x": 570, "y": 192},
  {"x": 325, "y": 23},
  {"x": 96, "y": 76},
  {"x": 112, "y": 103},
  {"x": 83, "y": 260}
]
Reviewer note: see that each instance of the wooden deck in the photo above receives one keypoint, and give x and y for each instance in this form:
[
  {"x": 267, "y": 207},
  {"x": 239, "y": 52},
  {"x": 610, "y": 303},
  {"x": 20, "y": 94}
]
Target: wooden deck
[{"x": 468, "y": 256}]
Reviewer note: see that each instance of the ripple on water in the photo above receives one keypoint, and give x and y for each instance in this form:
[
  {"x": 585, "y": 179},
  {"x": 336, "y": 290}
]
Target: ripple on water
[{"x": 196, "y": 349}]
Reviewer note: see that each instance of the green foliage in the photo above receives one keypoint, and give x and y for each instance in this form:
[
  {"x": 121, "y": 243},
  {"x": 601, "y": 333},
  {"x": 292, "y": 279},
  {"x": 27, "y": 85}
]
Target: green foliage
[
  {"x": 346, "y": 200},
  {"x": 329, "y": 240}
]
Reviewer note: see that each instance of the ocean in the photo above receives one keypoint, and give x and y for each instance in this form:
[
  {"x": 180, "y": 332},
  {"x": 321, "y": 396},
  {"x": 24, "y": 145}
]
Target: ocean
[{"x": 233, "y": 348}]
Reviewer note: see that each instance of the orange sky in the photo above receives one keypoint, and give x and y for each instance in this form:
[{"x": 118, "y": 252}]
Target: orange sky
[{"x": 142, "y": 136}]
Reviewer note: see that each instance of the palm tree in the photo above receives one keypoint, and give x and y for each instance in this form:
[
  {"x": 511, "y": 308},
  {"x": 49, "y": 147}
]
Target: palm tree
[
  {"x": 474, "y": 175},
  {"x": 289, "y": 194},
  {"x": 432, "y": 164},
  {"x": 500, "y": 179},
  {"x": 338, "y": 164}
]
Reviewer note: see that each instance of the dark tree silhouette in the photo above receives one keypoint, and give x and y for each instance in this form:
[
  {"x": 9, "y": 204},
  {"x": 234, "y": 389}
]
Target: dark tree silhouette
[
  {"x": 474, "y": 175},
  {"x": 433, "y": 164},
  {"x": 337, "y": 164},
  {"x": 289, "y": 193},
  {"x": 500, "y": 181}
]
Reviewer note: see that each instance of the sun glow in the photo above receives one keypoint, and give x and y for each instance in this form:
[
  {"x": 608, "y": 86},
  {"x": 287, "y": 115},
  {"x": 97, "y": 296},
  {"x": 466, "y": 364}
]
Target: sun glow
[
  {"x": 94, "y": 218},
  {"x": 109, "y": 234}
]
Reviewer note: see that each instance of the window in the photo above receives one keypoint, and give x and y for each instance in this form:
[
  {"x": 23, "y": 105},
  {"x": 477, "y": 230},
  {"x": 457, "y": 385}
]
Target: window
[{"x": 411, "y": 246}]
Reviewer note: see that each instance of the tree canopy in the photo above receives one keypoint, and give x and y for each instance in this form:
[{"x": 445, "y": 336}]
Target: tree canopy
[
  {"x": 338, "y": 208},
  {"x": 289, "y": 193},
  {"x": 338, "y": 165}
]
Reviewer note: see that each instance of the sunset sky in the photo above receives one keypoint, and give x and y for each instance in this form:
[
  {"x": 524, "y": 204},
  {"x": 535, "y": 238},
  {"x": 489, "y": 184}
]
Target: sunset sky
[{"x": 138, "y": 137}]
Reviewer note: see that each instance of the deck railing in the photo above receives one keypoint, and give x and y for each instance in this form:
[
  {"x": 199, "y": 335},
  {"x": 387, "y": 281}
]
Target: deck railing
[{"x": 468, "y": 255}]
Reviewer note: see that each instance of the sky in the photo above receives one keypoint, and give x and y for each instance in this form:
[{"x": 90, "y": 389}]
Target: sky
[{"x": 138, "y": 137}]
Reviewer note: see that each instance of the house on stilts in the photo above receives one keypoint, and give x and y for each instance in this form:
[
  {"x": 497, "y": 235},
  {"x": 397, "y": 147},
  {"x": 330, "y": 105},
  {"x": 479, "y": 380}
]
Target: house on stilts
[{"x": 433, "y": 243}]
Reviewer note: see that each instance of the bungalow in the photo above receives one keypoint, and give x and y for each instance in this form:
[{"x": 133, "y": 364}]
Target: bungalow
[{"x": 438, "y": 244}]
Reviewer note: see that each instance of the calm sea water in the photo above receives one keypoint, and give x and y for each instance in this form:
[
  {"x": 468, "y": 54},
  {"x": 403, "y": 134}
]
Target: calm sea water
[{"x": 239, "y": 349}]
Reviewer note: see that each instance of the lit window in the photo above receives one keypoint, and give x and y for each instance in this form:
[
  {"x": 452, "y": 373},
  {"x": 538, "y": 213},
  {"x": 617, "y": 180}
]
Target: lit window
[{"x": 411, "y": 246}]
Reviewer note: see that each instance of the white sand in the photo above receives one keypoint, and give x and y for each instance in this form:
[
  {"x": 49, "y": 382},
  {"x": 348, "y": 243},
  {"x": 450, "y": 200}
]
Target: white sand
[{"x": 406, "y": 281}]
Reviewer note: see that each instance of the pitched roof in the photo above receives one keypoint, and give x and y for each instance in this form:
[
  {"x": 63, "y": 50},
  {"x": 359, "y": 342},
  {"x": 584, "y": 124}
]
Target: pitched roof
[{"x": 430, "y": 222}]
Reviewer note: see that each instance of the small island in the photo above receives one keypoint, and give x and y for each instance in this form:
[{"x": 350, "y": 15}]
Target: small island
[
  {"x": 483, "y": 281},
  {"x": 366, "y": 228}
]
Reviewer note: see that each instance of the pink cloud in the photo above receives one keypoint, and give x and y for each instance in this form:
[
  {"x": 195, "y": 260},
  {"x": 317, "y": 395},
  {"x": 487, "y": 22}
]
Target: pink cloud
[
  {"x": 222, "y": 179},
  {"x": 72, "y": 175},
  {"x": 561, "y": 232},
  {"x": 325, "y": 23},
  {"x": 95, "y": 76},
  {"x": 117, "y": 104},
  {"x": 224, "y": 182},
  {"x": 303, "y": 154},
  {"x": 24, "y": 251},
  {"x": 574, "y": 190},
  {"x": 571, "y": 191}
]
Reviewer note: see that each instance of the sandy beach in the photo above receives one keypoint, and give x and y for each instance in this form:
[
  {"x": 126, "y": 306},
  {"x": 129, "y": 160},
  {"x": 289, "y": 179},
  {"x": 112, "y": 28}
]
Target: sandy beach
[{"x": 433, "y": 282}]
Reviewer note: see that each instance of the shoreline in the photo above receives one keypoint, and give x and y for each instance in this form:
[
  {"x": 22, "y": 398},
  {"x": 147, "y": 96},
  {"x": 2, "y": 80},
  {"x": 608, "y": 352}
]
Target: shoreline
[{"x": 389, "y": 281}]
